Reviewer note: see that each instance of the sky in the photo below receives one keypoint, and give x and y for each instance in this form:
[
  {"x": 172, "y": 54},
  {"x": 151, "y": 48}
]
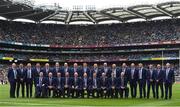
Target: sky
[{"x": 99, "y": 4}]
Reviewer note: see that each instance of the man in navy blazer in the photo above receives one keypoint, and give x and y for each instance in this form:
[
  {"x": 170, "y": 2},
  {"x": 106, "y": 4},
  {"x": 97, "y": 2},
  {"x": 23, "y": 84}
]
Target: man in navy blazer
[
  {"x": 142, "y": 75},
  {"x": 46, "y": 70},
  {"x": 21, "y": 76},
  {"x": 59, "y": 86},
  {"x": 112, "y": 89},
  {"x": 51, "y": 82},
  {"x": 123, "y": 85},
  {"x": 85, "y": 85},
  {"x": 76, "y": 86},
  {"x": 104, "y": 85},
  {"x": 84, "y": 69},
  {"x": 65, "y": 69},
  {"x": 12, "y": 78},
  {"x": 40, "y": 86},
  {"x": 159, "y": 77},
  {"x": 125, "y": 70},
  {"x": 36, "y": 70},
  {"x": 151, "y": 73},
  {"x": 169, "y": 80},
  {"x": 105, "y": 69},
  {"x": 56, "y": 69},
  {"x": 115, "y": 71},
  {"x": 95, "y": 86},
  {"x": 133, "y": 76},
  {"x": 29, "y": 80},
  {"x": 96, "y": 70},
  {"x": 67, "y": 84},
  {"x": 75, "y": 69}
]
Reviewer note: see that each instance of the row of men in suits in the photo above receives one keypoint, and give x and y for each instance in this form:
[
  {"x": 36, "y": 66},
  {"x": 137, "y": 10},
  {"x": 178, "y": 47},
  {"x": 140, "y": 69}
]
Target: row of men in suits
[
  {"x": 76, "y": 87},
  {"x": 151, "y": 77}
]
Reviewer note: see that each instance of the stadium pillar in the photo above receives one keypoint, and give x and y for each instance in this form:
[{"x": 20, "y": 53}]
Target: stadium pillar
[{"x": 162, "y": 60}]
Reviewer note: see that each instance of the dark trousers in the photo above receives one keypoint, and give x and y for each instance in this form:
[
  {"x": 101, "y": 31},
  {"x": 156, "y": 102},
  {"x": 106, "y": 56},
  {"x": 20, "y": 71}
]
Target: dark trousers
[
  {"x": 103, "y": 92},
  {"x": 51, "y": 90},
  {"x": 12, "y": 89},
  {"x": 83, "y": 92},
  {"x": 20, "y": 84},
  {"x": 133, "y": 86},
  {"x": 96, "y": 91},
  {"x": 149, "y": 85},
  {"x": 76, "y": 92},
  {"x": 168, "y": 90},
  {"x": 142, "y": 88},
  {"x": 124, "y": 91},
  {"x": 159, "y": 84},
  {"x": 67, "y": 91},
  {"x": 29, "y": 86},
  {"x": 40, "y": 91},
  {"x": 59, "y": 92}
]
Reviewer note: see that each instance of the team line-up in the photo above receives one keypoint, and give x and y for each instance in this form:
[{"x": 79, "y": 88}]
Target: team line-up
[{"x": 94, "y": 82}]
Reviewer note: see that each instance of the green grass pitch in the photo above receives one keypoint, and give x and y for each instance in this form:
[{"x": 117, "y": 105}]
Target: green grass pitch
[{"x": 31, "y": 102}]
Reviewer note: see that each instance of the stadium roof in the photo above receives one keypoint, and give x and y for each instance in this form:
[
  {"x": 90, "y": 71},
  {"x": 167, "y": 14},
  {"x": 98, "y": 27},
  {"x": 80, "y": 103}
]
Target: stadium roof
[{"x": 17, "y": 10}]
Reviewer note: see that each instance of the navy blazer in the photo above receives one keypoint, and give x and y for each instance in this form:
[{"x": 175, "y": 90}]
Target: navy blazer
[
  {"x": 56, "y": 71},
  {"x": 98, "y": 72},
  {"x": 78, "y": 83},
  {"x": 159, "y": 76},
  {"x": 125, "y": 82},
  {"x": 43, "y": 81},
  {"x": 108, "y": 73},
  {"x": 171, "y": 76},
  {"x": 92, "y": 83},
  {"x": 46, "y": 73},
  {"x": 153, "y": 77},
  {"x": 88, "y": 83},
  {"x": 62, "y": 82},
  {"x": 36, "y": 73},
  {"x": 32, "y": 74},
  {"x": 127, "y": 72},
  {"x": 144, "y": 74},
  {"x": 71, "y": 74},
  {"x": 11, "y": 77},
  {"x": 104, "y": 83},
  {"x": 135, "y": 76},
  {"x": 21, "y": 74},
  {"x": 62, "y": 70},
  {"x": 53, "y": 81},
  {"x": 118, "y": 73},
  {"x": 81, "y": 72},
  {"x": 110, "y": 82}
]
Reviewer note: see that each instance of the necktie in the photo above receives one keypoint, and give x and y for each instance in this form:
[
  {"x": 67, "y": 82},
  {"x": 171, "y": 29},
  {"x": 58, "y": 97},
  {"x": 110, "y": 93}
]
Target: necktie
[
  {"x": 85, "y": 80},
  {"x": 40, "y": 81},
  {"x": 59, "y": 82},
  {"x": 167, "y": 72},
  {"x": 15, "y": 74},
  {"x": 95, "y": 84},
  {"x": 132, "y": 74},
  {"x": 122, "y": 82},
  {"x": 140, "y": 73}
]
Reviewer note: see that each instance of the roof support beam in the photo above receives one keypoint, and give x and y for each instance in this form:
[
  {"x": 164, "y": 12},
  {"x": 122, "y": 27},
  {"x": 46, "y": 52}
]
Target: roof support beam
[
  {"x": 111, "y": 16},
  {"x": 137, "y": 13},
  {"x": 162, "y": 11},
  {"x": 134, "y": 13},
  {"x": 49, "y": 16},
  {"x": 89, "y": 17},
  {"x": 69, "y": 17}
]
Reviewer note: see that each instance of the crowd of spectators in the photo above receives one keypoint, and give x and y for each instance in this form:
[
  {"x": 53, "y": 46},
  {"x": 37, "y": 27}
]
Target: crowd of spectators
[{"x": 138, "y": 32}]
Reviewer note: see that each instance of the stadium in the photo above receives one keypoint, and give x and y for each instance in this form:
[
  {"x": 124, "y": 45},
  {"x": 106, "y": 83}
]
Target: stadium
[{"x": 86, "y": 40}]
